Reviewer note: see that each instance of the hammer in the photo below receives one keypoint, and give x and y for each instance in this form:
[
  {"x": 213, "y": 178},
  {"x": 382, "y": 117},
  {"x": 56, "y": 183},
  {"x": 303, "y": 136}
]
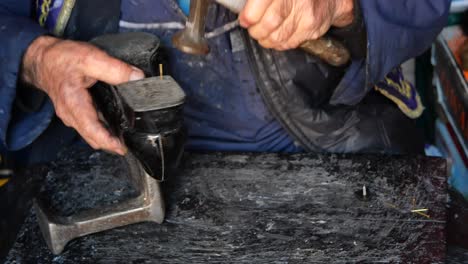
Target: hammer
[{"x": 192, "y": 39}]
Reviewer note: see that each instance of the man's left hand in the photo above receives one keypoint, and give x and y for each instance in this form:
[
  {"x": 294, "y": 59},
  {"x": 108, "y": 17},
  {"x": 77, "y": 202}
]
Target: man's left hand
[{"x": 286, "y": 24}]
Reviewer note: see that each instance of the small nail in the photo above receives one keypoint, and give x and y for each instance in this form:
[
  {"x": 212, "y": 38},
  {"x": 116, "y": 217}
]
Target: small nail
[{"x": 136, "y": 74}]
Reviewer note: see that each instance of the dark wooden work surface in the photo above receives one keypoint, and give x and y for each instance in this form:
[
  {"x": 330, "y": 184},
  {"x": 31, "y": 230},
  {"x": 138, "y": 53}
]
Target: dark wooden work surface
[{"x": 256, "y": 209}]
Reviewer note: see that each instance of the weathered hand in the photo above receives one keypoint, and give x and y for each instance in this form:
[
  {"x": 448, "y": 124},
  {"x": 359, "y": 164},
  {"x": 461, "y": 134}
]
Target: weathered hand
[
  {"x": 286, "y": 24},
  {"x": 65, "y": 70}
]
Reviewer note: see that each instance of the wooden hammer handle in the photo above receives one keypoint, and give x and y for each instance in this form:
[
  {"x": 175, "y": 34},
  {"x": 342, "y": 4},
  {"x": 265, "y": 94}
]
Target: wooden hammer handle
[{"x": 328, "y": 49}]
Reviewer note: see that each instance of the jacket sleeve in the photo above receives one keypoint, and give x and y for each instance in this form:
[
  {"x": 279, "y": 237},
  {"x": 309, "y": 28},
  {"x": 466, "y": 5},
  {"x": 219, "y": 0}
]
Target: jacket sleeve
[
  {"x": 18, "y": 128},
  {"x": 397, "y": 30}
]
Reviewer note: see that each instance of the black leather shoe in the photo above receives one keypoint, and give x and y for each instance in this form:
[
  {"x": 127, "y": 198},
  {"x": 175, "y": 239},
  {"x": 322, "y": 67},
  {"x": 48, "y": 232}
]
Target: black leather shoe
[{"x": 147, "y": 114}]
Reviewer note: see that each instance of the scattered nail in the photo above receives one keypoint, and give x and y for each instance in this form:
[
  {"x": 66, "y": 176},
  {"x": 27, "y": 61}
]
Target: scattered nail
[
  {"x": 423, "y": 214},
  {"x": 419, "y": 210}
]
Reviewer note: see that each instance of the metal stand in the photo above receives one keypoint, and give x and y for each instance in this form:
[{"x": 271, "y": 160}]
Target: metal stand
[{"x": 148, "y": 206}]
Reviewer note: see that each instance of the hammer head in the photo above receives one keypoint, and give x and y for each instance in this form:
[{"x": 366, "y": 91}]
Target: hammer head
[{"x": 192, "y": 39}]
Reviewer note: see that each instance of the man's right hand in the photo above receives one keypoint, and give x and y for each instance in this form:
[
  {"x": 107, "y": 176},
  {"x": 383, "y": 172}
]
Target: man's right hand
[{"x": 65, "y": 70}]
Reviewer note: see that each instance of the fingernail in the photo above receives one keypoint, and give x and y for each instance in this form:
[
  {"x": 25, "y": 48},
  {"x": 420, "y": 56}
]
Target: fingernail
[
  {"x": 122, "y": 150},
  {"x": 136, "y": 74},
  {"x": 118, "y": 151},
  {"x": 243, "y": 24}
]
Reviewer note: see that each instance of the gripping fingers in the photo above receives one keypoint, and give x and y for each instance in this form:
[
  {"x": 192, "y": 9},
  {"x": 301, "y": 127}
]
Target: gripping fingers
[
  {"x": 287, "y": 38},
  {"x": 280, "y": 36},
  {"x": 253, "y": 12},
  {"x": 271, "y": 20},
  {"x": 100, "y": 66},
  {"x": 96, "y": 135},
  {"x": 86, "y": 122}
]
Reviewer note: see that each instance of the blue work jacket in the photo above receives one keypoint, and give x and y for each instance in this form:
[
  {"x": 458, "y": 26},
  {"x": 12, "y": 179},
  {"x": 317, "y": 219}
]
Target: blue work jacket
[{"x": 396, "y": 31}]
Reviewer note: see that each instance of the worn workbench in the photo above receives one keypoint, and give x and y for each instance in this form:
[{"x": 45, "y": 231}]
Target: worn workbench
[{"x": 255, "y": 208}]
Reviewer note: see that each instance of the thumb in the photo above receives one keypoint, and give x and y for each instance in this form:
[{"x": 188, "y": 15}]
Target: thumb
[{"x": 102, "y": 67}]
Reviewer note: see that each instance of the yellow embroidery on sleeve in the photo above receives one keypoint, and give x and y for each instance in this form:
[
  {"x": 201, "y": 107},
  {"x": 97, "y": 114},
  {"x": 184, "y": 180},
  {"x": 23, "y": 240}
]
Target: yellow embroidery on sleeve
[{"x": 45, "y": 8}]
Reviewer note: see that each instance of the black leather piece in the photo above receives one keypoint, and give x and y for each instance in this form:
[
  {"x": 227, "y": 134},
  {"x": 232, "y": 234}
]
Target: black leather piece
[
  {"x": 354, "y": 36},
  {"x": 93, "y": 18},
  {"x": 162, "y": 157},
  {"x": 375, "y": 125},
  {"x": 156, "y": 138},
  {"x": 325, "y": 77}
]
